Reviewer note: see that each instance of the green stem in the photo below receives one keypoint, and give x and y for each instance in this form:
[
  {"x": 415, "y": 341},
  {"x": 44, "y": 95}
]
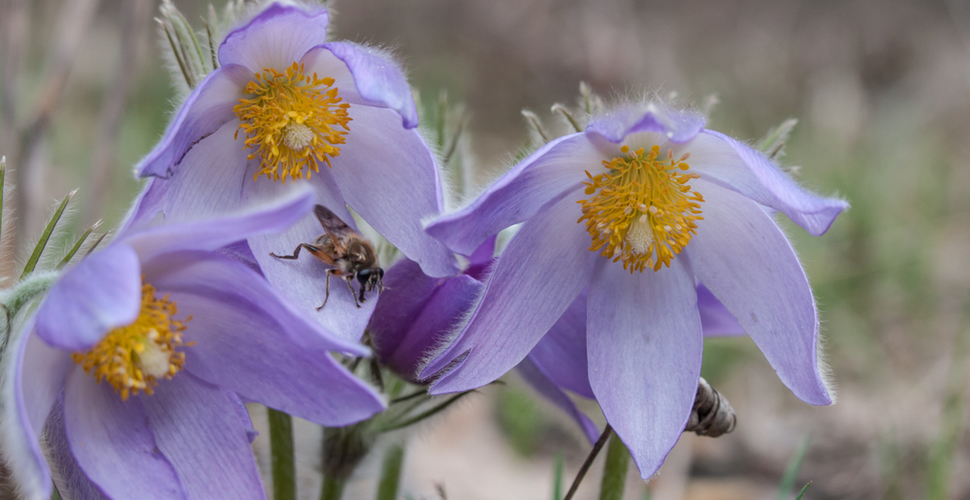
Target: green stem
[
  {"x": 557, "y": 477},
  {"x": 614, "y": 472},
  {"x": 281, "y": 451},
  {"x": 391, "y": 473},
  {"x": 333, "y": 488}
]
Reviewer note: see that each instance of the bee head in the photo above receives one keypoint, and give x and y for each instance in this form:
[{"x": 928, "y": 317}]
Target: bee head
[{"x": 370, "y": 278}]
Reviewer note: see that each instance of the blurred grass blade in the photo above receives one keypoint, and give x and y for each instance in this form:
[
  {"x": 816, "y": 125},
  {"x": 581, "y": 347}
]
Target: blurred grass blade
[
  {"x": 791, "y": 472},
  {"x": 614, "y": 472},
  {"x": 391, "y": 473},
  {"x": 42, "y": 243},
  {"x": 77, "y": 246},
  {"x": 804, "y": 489},
  {"x": 557, "y": 474},
  {"x": 943, "y": 452}
]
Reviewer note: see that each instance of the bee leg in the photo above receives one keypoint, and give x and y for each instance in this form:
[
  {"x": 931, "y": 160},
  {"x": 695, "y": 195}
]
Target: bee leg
[
  {"x": 353, "y": 293},
  {"x": 296, "y": 253},
  {"x": 326, "y": 296}
]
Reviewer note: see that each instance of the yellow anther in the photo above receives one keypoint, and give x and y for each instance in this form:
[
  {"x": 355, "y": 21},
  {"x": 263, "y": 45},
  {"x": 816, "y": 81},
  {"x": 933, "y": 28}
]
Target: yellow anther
[
  {"x": 132, "y": 358},
  {"x": 641, "y": 211},
  {"x": 292, "y": 122}
]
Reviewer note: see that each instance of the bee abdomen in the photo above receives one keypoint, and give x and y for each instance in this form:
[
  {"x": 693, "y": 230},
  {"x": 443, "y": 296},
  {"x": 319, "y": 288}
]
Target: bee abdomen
[{"x": 712, "y": 415}]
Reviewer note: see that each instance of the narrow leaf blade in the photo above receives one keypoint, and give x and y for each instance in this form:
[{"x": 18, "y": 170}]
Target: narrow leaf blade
[{"x": 45, "y": 237}]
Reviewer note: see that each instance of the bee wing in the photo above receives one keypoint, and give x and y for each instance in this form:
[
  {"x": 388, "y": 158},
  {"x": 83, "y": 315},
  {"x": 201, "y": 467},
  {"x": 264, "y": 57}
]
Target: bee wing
[{"x": 337, "y": 229}]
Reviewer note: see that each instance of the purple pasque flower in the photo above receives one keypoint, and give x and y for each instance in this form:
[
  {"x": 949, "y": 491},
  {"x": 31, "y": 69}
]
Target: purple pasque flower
[
  {"x": 618, "y": 209},
  {"x": 287, "y": 105},
  {"x": 140, "y": 358}
]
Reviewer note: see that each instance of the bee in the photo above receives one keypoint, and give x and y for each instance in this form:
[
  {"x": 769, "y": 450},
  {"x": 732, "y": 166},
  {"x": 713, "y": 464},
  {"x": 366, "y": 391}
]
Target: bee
[
  {"x": 711, "y": 415},
  {"x": 347, "y": 251}
]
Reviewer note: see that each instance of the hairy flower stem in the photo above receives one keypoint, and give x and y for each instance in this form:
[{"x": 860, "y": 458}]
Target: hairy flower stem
[
  {"x": 281, "y": 451},
  {"x": 391, "y": 473},
  {"x": 614, "y": 472},
  {"x": 343, "y": 449},
  {"x": 589, "y": 461},
  {"x": 333, "y": 488}
]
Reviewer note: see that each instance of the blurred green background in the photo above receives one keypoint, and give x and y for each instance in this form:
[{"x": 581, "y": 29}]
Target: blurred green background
[{"x": 881, "y": 91}]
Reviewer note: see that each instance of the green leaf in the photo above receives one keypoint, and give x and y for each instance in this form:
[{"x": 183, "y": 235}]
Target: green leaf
[
  {"x": 281, "y": 453},
  {"x": 400, "y": 424},
  {"x": 42, "y": 243},
  {"x": 802, "y": 492},
  {"x": 212, "y": 44},
  {"x": 559, "y": 108},
  {"x": 535, "y": 124},
  {"x": 440, "y": 122},
  {"x": 96, "y": 243},
  {"x": 77, "y": 246}
]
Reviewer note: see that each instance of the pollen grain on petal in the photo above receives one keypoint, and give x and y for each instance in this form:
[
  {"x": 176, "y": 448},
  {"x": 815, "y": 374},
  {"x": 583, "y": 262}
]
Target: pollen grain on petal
[
  {"x": 133, "y": 358},
  {"x": 641, "y": 211},
  {"x": 292, "y": 121}
]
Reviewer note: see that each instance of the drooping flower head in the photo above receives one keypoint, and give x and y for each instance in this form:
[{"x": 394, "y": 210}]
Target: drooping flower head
[
  {"x": 639, "y": 209},
  {"x": 284, "y": 106},
  {"x": 136, "y": 365}
]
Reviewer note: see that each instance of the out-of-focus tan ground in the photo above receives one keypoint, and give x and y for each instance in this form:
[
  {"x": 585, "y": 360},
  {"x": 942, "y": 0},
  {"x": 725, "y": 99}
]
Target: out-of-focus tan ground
[{"x": 881, "y": 89}]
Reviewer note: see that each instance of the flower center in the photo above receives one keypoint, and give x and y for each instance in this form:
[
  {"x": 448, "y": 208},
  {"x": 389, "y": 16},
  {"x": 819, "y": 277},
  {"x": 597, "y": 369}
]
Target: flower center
[
  {"x": 132, "y": 358},
  {"x": 641, "y": 211},
  {"x": 292, "y": 122}
]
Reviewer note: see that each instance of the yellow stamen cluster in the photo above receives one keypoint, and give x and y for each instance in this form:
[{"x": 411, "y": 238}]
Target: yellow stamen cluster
[
  {"x": 292, "y": 122},
  {"x": 643, "y": 211},
  {"x": 132, "y": 358}
]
